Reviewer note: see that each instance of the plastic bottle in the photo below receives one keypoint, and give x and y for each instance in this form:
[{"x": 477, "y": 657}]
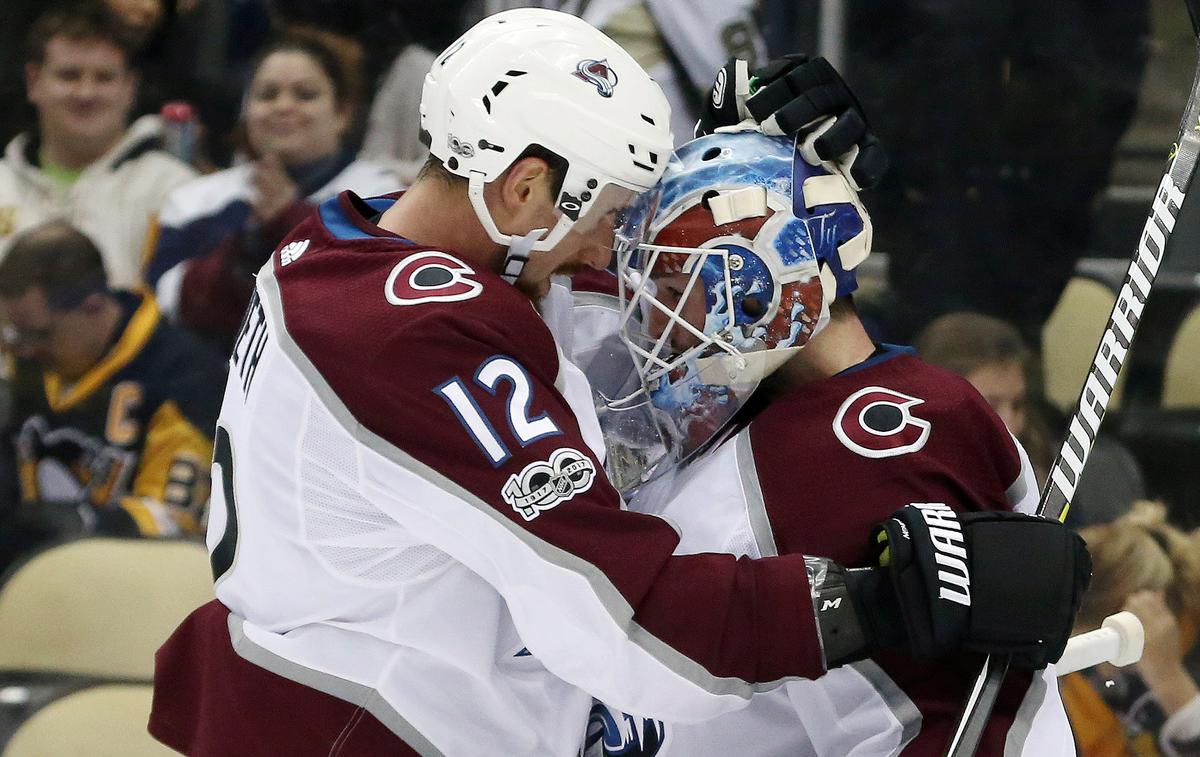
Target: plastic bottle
[{"x": 179, "y": 130}]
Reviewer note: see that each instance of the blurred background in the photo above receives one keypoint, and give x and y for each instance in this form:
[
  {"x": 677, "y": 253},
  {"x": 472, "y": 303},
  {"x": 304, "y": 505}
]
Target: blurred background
[{"x": 158, "y": 150}]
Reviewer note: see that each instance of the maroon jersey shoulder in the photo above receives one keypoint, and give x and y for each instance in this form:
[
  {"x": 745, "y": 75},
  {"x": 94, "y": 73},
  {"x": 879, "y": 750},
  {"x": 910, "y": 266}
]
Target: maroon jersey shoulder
[
  {"x": 855, "y": 447},
  {"x": 389, "y": 324},
  {"x": 352, "y": 290},
  {"x": 839, "y": 455}
]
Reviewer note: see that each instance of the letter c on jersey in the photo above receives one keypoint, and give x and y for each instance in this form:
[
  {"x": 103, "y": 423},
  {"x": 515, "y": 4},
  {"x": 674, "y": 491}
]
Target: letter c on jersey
[
  {"x": 877, "y": 422},
  {"x": 430, "y": 276}
]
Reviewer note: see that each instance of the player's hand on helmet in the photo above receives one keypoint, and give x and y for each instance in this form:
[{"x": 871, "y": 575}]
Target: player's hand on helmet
[
  {"x": 798, "y": 96},
  {"x": 990, "y": 582}
]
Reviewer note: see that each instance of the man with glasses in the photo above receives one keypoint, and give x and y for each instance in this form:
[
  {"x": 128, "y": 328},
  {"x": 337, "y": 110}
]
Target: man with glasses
[{"x": 112, "y": 408}]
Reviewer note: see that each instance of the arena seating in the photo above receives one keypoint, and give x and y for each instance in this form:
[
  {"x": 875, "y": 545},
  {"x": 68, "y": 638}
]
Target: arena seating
[
  {"x": 89, "y": 612},
  {"x": 100, "y": 721},
  {"x": 1181, "y": 378},
  {"x": 1069, "y": 341}
]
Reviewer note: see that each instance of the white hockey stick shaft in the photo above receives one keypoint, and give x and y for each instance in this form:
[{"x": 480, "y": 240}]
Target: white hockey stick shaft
[{"x": 1119, "y": 641}]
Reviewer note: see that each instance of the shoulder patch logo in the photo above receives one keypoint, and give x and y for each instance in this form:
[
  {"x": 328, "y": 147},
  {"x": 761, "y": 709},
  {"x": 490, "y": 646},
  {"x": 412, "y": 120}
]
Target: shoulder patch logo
[
  {"x": 292, "y": 252},
  {"x": 877, "y": 422},
  {"x": 430, "y": 276},
  {"x": 546, "y": 484},
  {"x": 598, "y": 74}
]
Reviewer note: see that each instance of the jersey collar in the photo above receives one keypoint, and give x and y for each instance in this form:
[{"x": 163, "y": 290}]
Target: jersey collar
[
  {"x": 138, "y": 330},
  {"x": 883, "y": 353},
  {"x": 347, "y": 215}
]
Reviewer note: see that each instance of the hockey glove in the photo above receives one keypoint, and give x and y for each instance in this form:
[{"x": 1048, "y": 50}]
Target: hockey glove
[
  {"x": 992, "y": 582},
  {"x": 796, "y": 96}
]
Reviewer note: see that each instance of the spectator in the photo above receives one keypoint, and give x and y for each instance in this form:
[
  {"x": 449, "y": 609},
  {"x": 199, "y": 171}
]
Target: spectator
[
  {"x": 113, "y": 409},
  {"x": 217, "y": 231},
  {"x": 1142, "y": 564},
  {"x": 992, "y": 356},
  {"x": 144, "y": 18},
  {"x": 19, "y": 16},
  {"x": 166, "y": 55},
  {"x": 84, "y": 162}
]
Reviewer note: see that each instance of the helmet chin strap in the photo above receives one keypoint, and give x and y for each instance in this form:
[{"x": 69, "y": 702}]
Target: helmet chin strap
[
  {"x": 520, "y": 247},
  {"x": 518, "y": 254}
]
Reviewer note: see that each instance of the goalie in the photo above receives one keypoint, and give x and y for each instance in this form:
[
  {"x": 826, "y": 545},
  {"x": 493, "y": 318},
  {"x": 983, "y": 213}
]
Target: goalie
[{"x": 766, "y": 422}]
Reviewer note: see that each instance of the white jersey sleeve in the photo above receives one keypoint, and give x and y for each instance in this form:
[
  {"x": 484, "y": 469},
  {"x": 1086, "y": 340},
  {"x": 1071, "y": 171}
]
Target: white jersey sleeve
[
  {"x": 1024, "y": 493},
  {"x": 411, "y": 499}
]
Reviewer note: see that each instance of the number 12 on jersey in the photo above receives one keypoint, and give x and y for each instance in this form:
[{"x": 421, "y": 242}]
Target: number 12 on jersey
[{"x": 491, "y": 373}]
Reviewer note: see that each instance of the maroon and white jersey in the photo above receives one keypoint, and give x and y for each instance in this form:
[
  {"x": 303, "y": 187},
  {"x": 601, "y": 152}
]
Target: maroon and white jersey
[
  {"x": 808, "y": 475},
  {"x": 410, "y": 513}
]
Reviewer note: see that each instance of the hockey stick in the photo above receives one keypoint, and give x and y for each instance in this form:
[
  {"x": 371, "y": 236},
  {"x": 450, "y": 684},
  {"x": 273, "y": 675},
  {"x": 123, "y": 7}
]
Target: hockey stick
[
  {"x": 1119, "y": 640},
  {"x": 1097, "y": 388}
]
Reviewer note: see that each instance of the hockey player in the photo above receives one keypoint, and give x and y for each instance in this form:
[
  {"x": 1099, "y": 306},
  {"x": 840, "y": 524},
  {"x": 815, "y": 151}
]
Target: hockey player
[
  {"x": 752, "y": 257},
  {"x": 415, "y": 547}
]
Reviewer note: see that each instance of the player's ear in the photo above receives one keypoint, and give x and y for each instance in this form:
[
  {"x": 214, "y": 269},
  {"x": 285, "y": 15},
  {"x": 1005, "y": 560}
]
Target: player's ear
[{"x": 527, "y": 181}]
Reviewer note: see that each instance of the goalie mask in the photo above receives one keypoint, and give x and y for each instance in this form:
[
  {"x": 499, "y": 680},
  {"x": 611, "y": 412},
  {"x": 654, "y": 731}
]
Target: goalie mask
[
  {"x": 746, "y": 250},
  {"x": 533, "y": 76}
]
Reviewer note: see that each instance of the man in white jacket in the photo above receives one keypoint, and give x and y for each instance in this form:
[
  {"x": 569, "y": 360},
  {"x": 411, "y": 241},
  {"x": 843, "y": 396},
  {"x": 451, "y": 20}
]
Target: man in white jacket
[{"x": 84, "y": 162}]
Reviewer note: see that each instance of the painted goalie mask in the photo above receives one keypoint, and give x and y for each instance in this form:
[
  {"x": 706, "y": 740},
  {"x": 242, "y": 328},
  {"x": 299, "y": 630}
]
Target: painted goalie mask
[{"x": 748, "y": 245}]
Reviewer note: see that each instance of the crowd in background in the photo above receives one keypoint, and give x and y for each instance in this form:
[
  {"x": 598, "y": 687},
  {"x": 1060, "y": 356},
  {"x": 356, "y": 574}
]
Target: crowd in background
[{"x": 158, "y": 150}]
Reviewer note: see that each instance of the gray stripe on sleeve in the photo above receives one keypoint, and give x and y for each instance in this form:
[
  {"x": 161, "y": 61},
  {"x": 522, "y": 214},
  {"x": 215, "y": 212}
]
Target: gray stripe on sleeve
[
  {"x": 894, "y": 697},
  {"x": 348, "y": 691},
  {"x": 1019, "y": 489},
  {"x": 756, "y": 506},
  {"x": 1014, "y": 743}
]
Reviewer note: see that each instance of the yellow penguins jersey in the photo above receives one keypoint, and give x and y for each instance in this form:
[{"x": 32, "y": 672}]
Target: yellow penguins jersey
[{"x": 132, "y": 437}]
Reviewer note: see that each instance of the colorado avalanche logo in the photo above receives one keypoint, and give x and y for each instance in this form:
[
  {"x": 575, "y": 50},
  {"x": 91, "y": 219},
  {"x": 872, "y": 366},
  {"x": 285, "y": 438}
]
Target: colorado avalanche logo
[
  {"x": 598, "y": 74},
  {"x": 615, "y": 734},
  {"x": 430, "y": 276},
  {"x": 877, "y": 422}
]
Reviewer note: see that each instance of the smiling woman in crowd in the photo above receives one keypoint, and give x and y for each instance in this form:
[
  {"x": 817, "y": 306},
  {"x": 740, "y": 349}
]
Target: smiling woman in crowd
[{"x": 217, "y": 231}]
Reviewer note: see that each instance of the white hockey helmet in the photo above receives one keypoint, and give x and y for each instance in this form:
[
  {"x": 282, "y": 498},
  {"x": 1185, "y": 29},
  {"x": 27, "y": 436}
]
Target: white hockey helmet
[{"x": 533, "y": 76}]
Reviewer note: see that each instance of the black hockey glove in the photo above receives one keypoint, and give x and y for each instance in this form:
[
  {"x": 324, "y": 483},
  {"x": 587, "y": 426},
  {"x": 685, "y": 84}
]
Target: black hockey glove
[
  {"x": 796, "y": 96},
  {"x": 991, "y": 582}
]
